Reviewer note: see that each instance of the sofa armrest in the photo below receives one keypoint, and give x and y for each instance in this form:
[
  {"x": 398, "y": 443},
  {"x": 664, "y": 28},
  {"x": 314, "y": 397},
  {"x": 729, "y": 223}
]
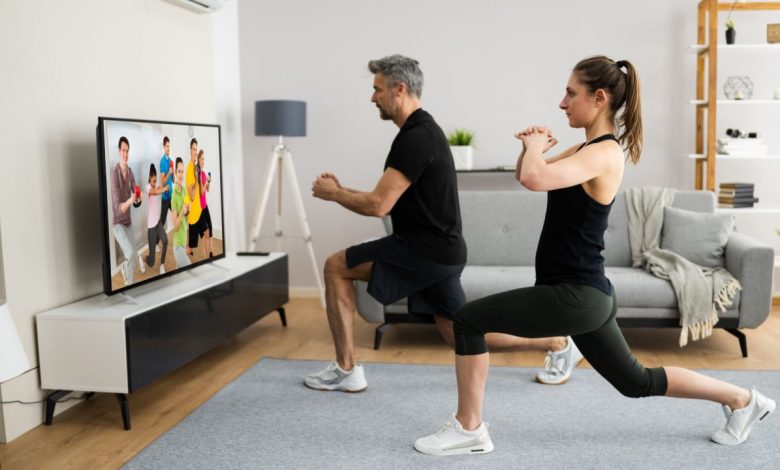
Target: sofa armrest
[
  {"x": 367, "y": 306},
  {"x": 752, "y": 263}
]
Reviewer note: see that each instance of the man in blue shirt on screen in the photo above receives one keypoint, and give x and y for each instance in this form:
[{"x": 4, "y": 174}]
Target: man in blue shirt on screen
[{"x": 166, "y": 177}]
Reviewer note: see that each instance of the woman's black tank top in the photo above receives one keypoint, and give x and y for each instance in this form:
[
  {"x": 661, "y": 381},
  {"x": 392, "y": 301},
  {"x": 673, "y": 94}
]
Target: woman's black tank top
[{"x": 572, "y": 238}]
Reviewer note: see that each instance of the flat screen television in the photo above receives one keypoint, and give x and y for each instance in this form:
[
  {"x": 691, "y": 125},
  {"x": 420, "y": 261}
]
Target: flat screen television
[{"x": 161, "y": 199}]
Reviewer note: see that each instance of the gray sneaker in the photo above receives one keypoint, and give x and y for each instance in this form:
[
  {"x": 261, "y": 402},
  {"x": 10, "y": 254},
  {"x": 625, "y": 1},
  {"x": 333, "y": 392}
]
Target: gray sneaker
[
  {"x": 558, "y": 365},
  {"x": 334, "y": 378},
  {"x": 740, "y": 422}
]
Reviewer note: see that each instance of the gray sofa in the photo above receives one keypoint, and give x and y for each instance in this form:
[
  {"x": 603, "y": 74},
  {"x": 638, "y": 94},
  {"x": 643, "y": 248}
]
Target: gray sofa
[{"x": 502, "y": 229}]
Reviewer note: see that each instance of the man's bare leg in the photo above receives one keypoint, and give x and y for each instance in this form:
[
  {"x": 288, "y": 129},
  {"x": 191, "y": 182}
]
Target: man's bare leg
[
  {"x": 340, "y": 304},
  {"x": 504, "y": 342}
]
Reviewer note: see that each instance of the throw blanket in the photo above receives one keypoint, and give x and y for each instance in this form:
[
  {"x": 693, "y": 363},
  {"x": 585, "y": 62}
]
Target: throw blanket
[{"x": 700, "y": 291}]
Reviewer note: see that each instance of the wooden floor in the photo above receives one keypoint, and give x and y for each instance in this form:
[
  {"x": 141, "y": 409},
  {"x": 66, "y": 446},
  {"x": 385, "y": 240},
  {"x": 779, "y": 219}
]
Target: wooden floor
[{"x": 90, "y": 434}]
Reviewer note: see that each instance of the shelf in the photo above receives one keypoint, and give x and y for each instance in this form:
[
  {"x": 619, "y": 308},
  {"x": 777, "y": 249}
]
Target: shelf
[
  {"x": 702, "y": 48},
  {"x": 749, "y": 210},
  {"x": 697, "y": 156},
  {"x": 740, "y": 102}
]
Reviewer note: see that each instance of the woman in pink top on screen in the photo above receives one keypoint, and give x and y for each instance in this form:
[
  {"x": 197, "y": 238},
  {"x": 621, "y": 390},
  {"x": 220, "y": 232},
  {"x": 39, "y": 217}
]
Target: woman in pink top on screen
[{"x": 205, "y": 217}]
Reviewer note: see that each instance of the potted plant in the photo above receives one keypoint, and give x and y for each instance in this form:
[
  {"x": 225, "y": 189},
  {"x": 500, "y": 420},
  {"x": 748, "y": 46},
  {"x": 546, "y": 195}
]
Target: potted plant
[
  {"x": 462, "y": 150},
  {"x": 731, "y": 33}
]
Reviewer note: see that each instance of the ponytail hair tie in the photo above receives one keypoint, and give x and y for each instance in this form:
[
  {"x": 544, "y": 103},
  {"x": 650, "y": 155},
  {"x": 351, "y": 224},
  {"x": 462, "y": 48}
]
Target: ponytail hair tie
[{"x": 621, "y": 63}]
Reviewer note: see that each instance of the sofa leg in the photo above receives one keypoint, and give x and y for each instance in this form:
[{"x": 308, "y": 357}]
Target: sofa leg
[
  {"x": 742, "y": 340},
  {"x": 378, "y": 334}
]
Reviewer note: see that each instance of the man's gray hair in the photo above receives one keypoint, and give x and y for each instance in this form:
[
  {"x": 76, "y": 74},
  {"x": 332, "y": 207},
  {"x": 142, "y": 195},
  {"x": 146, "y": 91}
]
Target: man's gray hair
[{"x": 397, "y": 68}]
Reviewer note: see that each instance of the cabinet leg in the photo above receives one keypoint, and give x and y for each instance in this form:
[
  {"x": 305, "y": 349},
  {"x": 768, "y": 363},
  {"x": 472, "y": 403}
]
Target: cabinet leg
[
  {"x": 742, "y": 340},
  {"x": 282, "y": 316},
  {"x": 125, "y": 407},
  {"x": 378, "y": 334},
  {"x": 51, "y": 402}
]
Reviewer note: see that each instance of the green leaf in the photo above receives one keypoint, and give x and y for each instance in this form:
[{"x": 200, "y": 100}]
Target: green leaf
[{"x": 460, "y": 137}]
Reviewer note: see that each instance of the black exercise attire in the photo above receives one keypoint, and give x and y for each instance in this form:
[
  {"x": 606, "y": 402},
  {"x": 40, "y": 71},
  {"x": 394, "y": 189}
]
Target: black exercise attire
[
  {"x": 424, "y": 256},
  {"x": 572, "y": 296}
]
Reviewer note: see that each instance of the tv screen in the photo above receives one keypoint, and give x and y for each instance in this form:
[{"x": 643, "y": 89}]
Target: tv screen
[{"x": 161, "y": 195}]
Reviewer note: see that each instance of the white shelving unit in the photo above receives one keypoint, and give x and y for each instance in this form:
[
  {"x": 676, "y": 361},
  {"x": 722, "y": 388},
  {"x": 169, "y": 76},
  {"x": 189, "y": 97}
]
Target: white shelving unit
[
  {"x": 749, "y": 210},
  {"x": 741, "y": 48},
  {"x": 749, "y": 102},
  {"x": 708, "y": 163},
  {"x": 721, "y": 156}
]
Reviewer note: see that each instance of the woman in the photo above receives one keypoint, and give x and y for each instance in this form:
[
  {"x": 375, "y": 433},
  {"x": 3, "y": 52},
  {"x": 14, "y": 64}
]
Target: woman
[
  {"x": 572, "y": 296},
  {"x": 205, "y": 216},
  {"x": 155, "y": 231}
]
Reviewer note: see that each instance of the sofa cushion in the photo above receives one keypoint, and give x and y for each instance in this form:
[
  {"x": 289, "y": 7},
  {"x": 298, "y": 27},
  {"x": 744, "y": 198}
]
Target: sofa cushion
[
  {"x": 502, "y": 228},
  {"x": 698, "y": 237}
]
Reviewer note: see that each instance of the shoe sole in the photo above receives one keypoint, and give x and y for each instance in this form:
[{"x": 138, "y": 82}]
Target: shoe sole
[
  {"x": 325, "y": 388},
  {"x": 473, "y": 450},
  {"x": 577, "y": 363}
]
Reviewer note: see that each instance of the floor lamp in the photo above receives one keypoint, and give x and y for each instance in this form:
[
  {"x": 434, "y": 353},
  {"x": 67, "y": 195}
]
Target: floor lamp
[{"x": 282, "y": 118}]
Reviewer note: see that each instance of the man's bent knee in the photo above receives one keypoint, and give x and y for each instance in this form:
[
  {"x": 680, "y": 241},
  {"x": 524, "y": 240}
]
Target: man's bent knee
[
  {"x": 336, "y": 268},
  {"x": 336, "y": 264}
]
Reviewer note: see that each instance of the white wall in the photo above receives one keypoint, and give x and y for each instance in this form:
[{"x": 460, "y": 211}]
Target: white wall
[
  {"x": 65, "y": 64},
  {"x": 492, "y": 67},
  {"x": 228, "y": 97}
]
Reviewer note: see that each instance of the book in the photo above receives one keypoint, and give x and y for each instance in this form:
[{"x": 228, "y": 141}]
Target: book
[
  {"x": 735, "y": 193},
  {"x": 739, "y": 205},
  {"x": 737, "y": 200},
  {"x": 736, "y": 185}
]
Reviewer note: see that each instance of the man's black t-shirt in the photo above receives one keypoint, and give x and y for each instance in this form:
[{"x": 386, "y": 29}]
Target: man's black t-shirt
[{"x": 426, "y": 217}]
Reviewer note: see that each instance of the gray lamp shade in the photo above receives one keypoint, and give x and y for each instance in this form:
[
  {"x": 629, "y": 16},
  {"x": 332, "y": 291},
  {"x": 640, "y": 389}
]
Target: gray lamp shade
[{"x": 280, "y": 117}]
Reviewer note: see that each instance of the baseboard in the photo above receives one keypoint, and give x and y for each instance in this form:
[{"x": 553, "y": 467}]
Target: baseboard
[
  {"x": 17, "y": 419},
  {"x": 304, "y": 292}
]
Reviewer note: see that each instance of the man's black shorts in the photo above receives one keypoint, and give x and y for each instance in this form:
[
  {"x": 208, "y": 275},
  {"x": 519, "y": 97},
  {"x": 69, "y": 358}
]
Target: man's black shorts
[{"x": 399, "y": 272}]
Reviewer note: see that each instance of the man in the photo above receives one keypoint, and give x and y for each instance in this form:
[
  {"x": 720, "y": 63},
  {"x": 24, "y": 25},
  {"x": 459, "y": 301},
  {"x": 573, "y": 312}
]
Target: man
[
  {"x": 166, "y": 179},
  {"x": 123, "y": 196},
  {"x": 424, "y": 257}
]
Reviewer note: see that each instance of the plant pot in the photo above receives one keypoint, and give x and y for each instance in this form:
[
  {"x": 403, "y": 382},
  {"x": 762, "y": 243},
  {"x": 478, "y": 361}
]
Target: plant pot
[
  {"x": 463, "y": 156},
  {"x": 731, "y": 35}
]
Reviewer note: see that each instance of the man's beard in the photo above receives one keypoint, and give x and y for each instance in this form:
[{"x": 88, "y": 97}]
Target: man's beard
[{"x": 384, "y": 115}]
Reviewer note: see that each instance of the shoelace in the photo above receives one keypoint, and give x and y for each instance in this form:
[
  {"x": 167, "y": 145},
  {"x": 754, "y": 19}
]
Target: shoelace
[{"x": 444, "y": 429}]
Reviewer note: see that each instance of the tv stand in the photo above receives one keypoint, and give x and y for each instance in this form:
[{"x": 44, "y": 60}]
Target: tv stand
[{"x": 119, "y": 344}]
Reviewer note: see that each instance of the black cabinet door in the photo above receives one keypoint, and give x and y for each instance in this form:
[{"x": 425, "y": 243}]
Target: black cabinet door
[
  {"x": 256, "y": 295},
  {"x": 162, "y": 340}
]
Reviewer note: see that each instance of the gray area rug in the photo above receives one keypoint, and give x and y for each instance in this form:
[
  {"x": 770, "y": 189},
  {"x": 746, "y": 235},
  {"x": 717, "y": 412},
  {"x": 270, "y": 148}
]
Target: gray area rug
[{"x": 267, "y": 419}]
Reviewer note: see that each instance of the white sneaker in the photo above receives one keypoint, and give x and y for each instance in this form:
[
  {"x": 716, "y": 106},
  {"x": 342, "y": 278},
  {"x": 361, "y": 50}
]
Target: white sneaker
[
  {"x": 558, "y": 365},
  {"x": 162, "y": 269},
  {"x": 452, "y": 439},
  {"x": 740, "y": 422},
  {"x": 334, "y": 378},
  {"x": 142, "y": 263}
]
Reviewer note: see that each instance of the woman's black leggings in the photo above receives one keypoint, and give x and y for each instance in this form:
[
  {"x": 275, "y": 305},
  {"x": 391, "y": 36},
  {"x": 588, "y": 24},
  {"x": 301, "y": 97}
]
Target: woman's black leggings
[{"x": 585, "y": 313}]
